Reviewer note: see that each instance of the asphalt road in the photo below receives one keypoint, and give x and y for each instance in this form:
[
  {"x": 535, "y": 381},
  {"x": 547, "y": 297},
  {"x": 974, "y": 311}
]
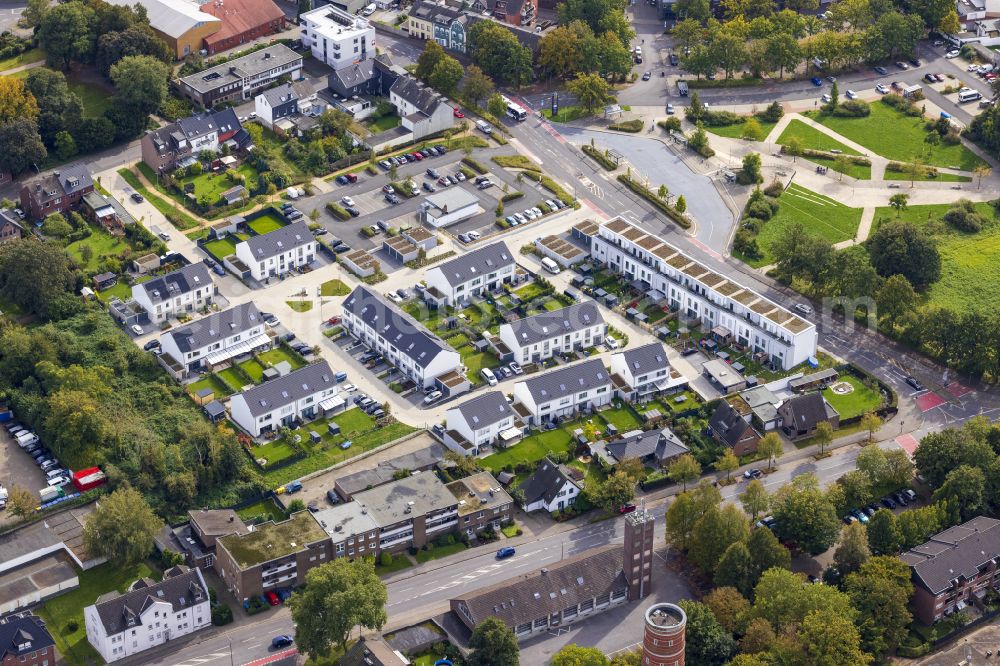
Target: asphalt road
[{"x": 10, "y": 14}]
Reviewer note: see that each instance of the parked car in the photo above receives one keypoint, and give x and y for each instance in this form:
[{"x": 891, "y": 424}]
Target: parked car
[
  {"x": 347, "y": 444},
  {"x": 272, "y": 598},
  {"x": 352, "y": 211},
  {"x": 626, "y": 508},
  {"x": 152, "y": 345},
  {"x": 432, "y": 397},
  {"x": 901, "y": 498},
  {"x": 136, "y": 197},
  {"x": 388, "y": 189},
  {"x": 816, "y": 81},
  {"x": 881, "y": 70},
  {"x": 282, "y": 641},
  {"x": 59, "y": 481},
  {"x": 392, "y": 198},
  {"x": 804, "y": 308},
  {"x": 954, "y": 53},
  {"x": 136, "y": 329},
  {"x": 647, "y": 75},
  {"x": 488, "y": 375},
  {"x": 882, "y": 88},
  {"x": 902, "y": 65},
  {"x": 505, "y": 552},
  {"x": 826, "y": 99},
  {"x": 888, "y": 503},
  {"x": 515, "y": 367},
  {"x": 753, "y": 474},
  {"x": 342, "y": 180},
  {"x": 915, "y": 383},
  {"x": 850, "y": 94}
]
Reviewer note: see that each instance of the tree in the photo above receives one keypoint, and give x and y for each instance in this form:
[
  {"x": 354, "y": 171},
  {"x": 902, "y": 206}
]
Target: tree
[
  {"x": 727, "y": 51},
  {"x": 662, "y": 192},
  {"x": 135, "y": 40},
  {"x": 22, "y": 145},
  {"x": 716, "y": 530},
  {"x": 729, "y": 608},
  {"x": 884, "y": 537},
  {"x": 680, "y": 205},
  {"x": 65, "y": 146},
  {"x": 706, "y": 643},
  {"x": 685, "y": 511},
  {"x": 823, "y": 435},
  {"x": 880, "y": 590},
  {"x": 66, "y": 32},
  {"x": 856, "y": 490},
  {"x": 728, "y": 463},
  {"x": 736, "y": 569},
  {"x": 493, "y": 644},
  {"x": 852, "y": 551},
  {"x": 446, "y": 75},
  {"x": 770, "y": 447},
  {"x": 687, "y": 33},
  {"x": 59, "y": 109},
  {"x": 940, "y": 452},
  {"x": 830, "y": 639},
  {"x": 899, "y": 247},
  {"x": 21, "y": 502},
  {"x": 782, "y": 598},
  {"x": 803, "y": 255},
  {"x": 685, "y": 468},
  {"x": 496, "y": 106},
  {"x": 766, "y": 553},
  {"x": 36, "y": 276},
  {"x": 700, "y": 62},
  {"x": 803, "y": 514},
  {"x": 896, "y": 300},
  {"x": 338, "y": 596},
  {"x": 871, "y": 422},
  {"x": 781, "y": 52},
  {"x": 16, "y": 101},
  {"x": 591, "y": 91},
  {"x": 576, "y": 655},
  {"x": 55, "y": 225},
  {"x": 755, "y": 498},
  {"x": 966, "y": 486},
  {"x": 759, "y": 636},
  {"x": 899, "y": 202},
  {"x": 750, "y": 172},
  {"x": 561, "y": 51},
  {"x": 121, "y": 528},
  {"x": 793, "y": 146},
  {"x": 496, "y": 49},
  {"x": 950, "y": 24},
  {"x": 476, "y": 86},
  {"x": 432, "y": 54},
  {"x": 752, "y": 130},
  {"x": 917, "y": 525},
  {"x": 140, "y": 83},
  {"x": 33, "y": 13},
  {"x": 617, "y": 490}
]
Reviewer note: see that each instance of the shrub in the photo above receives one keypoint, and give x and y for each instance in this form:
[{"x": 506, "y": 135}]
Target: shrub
[
  {"x": 771, "y": 114},
  {"x": 385, "y": 558},
  {"x": 599, "y": 157},
  {"x": 852, "y": 108},
  {"x": 775, "y": 189},
  {"x": 745, "y": 242},
  {"x": 337, "y": 210},
  {"x": 900, "y": 103},
  {"x": 760, "y": 210},
  {"x": 222, "y": 614},
  {"x": 721, "y": 118},
  {"x": 672, "y": 123},
  {"x": 963, "y": 216},
  {"x": 510, "y": 196},
  {"x": 633, "y": 126},
  {"x": 474, "y": 165}
]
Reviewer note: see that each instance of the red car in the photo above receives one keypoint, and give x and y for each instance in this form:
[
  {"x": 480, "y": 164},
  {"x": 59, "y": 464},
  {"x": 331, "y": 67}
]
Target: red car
[
  {"x": 332, "y": 321},
  {"x": 417, "y": 156},
  {"x": 626, "y": 508},
  {"x": 459, "y": 114},
  {"x": 272, "y": 598},
  {"x": 352, "y": 178}
]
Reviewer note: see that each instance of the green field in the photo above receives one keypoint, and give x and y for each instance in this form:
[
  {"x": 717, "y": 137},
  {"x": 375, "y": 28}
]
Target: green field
[
  {"x": 220, "y": 248},
  {"x": 254, "y": 370},
  {"x": 896, "y": 136},
  {"x": 102, "y": 245},
  {"x": 334, "y": 287},
  {"x": 816, "y": 140},
  {"x": 64, "y": 614},
  {"x": 531, "y": 449},
  {"x": 566, "y": 114},
  {"x": 212, "y": 184},
  {"x": 212, "y": 382},
  {"x": 266, "y": 223},
  {"x": 265, "y": 507},
  {"x": 439, "y": 552},
  {"x": 300, "y": 306},
  {"x": 856, "y": 403},
  {"x": 736, "y": 131},
  {"x": 279, "y": 354},
  {"x": 821, "y": 215},
  {"x": 386, "y": 122},
  {"x": 26, "y": 58},
  {"x": 96, "y": 100},
  {"x": 941, "y": 177}
]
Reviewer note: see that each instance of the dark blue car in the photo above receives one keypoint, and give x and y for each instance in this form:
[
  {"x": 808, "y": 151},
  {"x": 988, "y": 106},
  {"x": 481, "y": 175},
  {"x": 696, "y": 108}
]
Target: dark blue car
[
  {"x": 281, "y": 641},
  {"x": 816, "y": 81},
  {"x": 505, "y": 552}
]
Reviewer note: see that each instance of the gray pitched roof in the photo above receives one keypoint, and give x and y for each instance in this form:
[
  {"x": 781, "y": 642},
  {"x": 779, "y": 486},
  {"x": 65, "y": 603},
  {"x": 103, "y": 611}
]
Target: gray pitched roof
[
  {"x": 356, "y": 74},
  {"x": 371, "y": 652},
  {"x": 200, "y": 124},
  {"x": 646, "y": 358},
  {"x": 75, "y": 177},
  {"x": 278, "y": 241},
  {"x": 727, "y": 424},
  {"x": 548, "y": 479},
  {"x": 547, "y": 325},
  {"x": 215, "y": 327},
  {"x": 422, "y": 96},
  {"x": 175, "y": 283},
  {"x": 663, "y": 444},
  {"x": 397, "y": 327},
  {"x": 183, "y": 590},
  {"x": 283, "y": 94},
  {"x": 284, "y": 390},
  {"x": 568, "y": 380},
  {"x": 594, "y": 573},
  {"x": 804, "y": 411},
  {"x": 23, "y": 629},
  {"x": 483, "y": 261},
  {"x": 485, "y": 410},
  {"x": 957, "y": 552}
]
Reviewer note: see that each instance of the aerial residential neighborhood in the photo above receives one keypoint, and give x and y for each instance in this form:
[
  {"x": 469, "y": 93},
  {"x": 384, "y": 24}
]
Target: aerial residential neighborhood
[{"x": 499, "y": 332}]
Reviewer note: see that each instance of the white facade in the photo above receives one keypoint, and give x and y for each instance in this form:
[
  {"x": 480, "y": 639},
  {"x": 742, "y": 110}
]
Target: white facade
[
  {"x": 297, "y": 395},
  {"x": 478, "y": 422},
  {"x": 651, "y": 376},
  {"x": 449, "y": 207},
  {"x": 699, "y": 293},
  {"x": 163, "y": 298},
  {"x": 474, "y": 284},
  {"x": 561, "y": 499},
  {"x": 336, "y": 37},
  {"x": 197, "y": 357},
  {"x": 158, "y": 623},
  {"x": 560, "y": 398},
  {"x": 559, "y": 342},
  {"x": 289, "y": 257}
]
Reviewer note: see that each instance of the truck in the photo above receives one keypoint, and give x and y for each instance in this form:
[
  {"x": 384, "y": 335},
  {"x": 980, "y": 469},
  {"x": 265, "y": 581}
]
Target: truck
[{"x": 87, "y": 479}]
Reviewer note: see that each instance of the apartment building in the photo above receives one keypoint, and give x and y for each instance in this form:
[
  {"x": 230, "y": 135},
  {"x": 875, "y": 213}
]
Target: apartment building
[
  {"x": 60, "y": 191},
  {"x": 10, "y": 226},
  {"x": 445, "y": 25},
  {"x": 149, "y": 614},
  {"x": 216, "y": 338},
  {"x": 471, "y": 274},
  {"x": 404, "y": 343},
  {"x": 575, "y": 328},
  {"x": 953, "y": 567},
  {"x": 299, "y": 395},
  {"x": 410, "y": 512},
  {"x": 479, "y": 422},
  {"x": 567, "y": 390},
  {"x": 25, "y": 641},
  {"x": 241, "y": 79},
  {"x": 698, "y": 293},
  {"x": 274, "y": 555},
  {"x": 178, "y": 143},
  {"x": 278, "y": 252},
  {"x": 483, "y": 504},
  {"x": 336, "y": 37},
  {"x": 184, "y": 290},
  {"x": 646, "y": 371}
]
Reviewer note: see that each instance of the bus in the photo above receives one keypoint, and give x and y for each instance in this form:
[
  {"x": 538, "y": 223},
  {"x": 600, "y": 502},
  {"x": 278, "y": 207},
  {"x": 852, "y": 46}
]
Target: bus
[{"x": 515, "y": 111}]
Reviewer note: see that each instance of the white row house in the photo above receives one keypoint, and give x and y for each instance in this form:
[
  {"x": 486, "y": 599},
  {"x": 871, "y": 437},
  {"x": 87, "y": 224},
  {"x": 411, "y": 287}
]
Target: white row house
[
  {"x": 149, "y": 614},
  {"x": 278, "y": 252},
  {"x": 404, "y": 343},
  {"x": 216, "y": 338},
  {"x": 646, "y": 371},
  {"x": 574, "y": 328},
  {"x": 698, "y": 293},
  {"x": 299, "y": 395},
  {"x": 185, "y": 290},
  {"x": 479, "y": 422},
  {"x": 562, "y": 392},
  {"x": 471, "y": 274}
]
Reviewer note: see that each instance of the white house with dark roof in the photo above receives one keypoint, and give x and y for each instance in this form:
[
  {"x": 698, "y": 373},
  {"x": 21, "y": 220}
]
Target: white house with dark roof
[
  {"x": 574, "y": 328},
  {"x": 570, "y": 389},
  {"x": 278, "y": 252},
  {"x": 550, "y": 488},
  {"x": 404, "y": 343},
  {"x": 150, "y": 614},
  {"x": 187, "y": 289},
  {"x": 473, "y": 273},
  {"x": 646, "y": 371},
  {"x": 300, "y": 394},
  {"x": 479, "y": 422},
  {"x": 216, "y": 338}
]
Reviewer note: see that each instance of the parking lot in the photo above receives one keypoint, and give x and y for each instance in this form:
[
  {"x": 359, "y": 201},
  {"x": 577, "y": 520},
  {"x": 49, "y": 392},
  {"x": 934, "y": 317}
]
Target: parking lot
[{"x": 17, "y": 468}]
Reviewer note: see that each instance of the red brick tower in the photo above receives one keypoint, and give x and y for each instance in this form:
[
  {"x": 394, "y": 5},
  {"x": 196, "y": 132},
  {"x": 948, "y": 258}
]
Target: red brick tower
[{"x": 663, "y": 642}]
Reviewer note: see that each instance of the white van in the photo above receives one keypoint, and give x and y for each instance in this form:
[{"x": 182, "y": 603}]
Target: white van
[
  {"x": 488, "y": 375},
  {"x": 550, "y": 266},
  {"x": 369, "y": 10},
  {"x": 484, "y": 127},
  {"x": 26, "y": 439},
  {"x": 968, "y": 96}
]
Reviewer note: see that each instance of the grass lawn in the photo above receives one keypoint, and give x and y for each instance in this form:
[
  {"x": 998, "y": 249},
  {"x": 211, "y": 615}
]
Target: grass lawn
[
  {"x": 121, "y": 290},
  {"x": 399, "y": 563},
  {"x": 278, "y": 354},
  {"x": 438, "y": 552},
  {"x": 624, "y": 418},
  {"x": 61, "y": 613},
  {"x": 212, "y": 382},
  {"x": 566, "y": 114},
  {"x": 101, "y": 243},
  {"x": 213, "y": 184},
  {"x": 253, "y": 369},
  {"x": 266, "y": 223},
  {"x": 816, "y": 140},
  {"x": 821, "y": 215},
  {"x": 386, "y": 122},
  {"x": 942, "y": 177},
  {"x": 859, "y": 401},
  {"x": 220, "y": 248},
  {"x": 274, "y": 451},
  {"x": 476, "y": 361},
  {"x": 531, "y": 449},
  {"x": 300, "y": 306},
  {"x": 736, "y": 131},
  {"x": 334, "y": 287},
  {"x": 529, "y": 292},
  {"x": 897, "y": 136},
  {"x": 26, "y": 58},
  {"x": 233, "y": 378},
  {"x": 265, "y": 507},
  {"x": 427, "y": 659}
]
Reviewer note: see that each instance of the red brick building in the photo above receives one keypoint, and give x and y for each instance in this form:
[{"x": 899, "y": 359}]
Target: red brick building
[
  {"x": 242, "y": 21},
  {"x": 663, "y": 638},
  {"x": 24, "y": 641},
  {"x": 58, "y": 192}
]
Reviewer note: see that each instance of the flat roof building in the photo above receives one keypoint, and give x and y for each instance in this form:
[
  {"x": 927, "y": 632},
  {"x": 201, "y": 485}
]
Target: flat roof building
[{"x": 242, "y": 78}]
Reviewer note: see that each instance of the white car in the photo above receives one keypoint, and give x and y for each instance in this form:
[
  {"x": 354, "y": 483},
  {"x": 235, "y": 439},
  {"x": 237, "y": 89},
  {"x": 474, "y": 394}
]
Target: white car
[
  {"x": 826, "y": 99},
  {"x": 348, "y": 201},
  {"x": 394, "y": 297},
  {"x": 883, "y": 89},
  {"x": 460, "y": 176},
  {"x": 951, "y": 54},
  {"x": 804, "y": 308},
  {"x": 272, "y": 321},
  {"x": 488, "y": 375},
  {"x": 521, "y": 219},
  {"x": 59, "y": 481},
  {"x": 432, "y": 396},
  {"x": 851, "y": 94},
  {"x": 136, "y": 329},
  {"x": 349, "y": 388},
  {"x": 474, "y": 235}
]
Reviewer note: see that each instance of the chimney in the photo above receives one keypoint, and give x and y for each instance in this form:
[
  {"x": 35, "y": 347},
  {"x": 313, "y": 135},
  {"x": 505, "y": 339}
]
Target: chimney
[
  {"x": 544, "y": 571},
  {"x": 267, "y": 55}
]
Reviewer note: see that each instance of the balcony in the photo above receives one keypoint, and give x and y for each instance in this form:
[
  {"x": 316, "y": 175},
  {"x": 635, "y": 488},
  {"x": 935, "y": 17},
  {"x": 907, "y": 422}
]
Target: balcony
[
  {"x": 270, "y": 571},
  {"x": 440, "y": 526},
  {"x": 272, "y": 582}
]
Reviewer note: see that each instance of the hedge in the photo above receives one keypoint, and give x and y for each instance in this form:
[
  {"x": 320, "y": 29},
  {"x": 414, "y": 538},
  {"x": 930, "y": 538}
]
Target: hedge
[
  {"x": 510, "y": 196},
  {"x": 723, "y": 83},
  {"x": 337, "y": 210},
  {"x": 859, "y": 160},
  {"x": 552, "y": 186},
  {"x": 516, "y": 162},
  {"x": 474, "y": 165},
  {"x": 599, "y": 157},
  {"x": 633, "y": 126},
  {"x": 657, "y": 202}
]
